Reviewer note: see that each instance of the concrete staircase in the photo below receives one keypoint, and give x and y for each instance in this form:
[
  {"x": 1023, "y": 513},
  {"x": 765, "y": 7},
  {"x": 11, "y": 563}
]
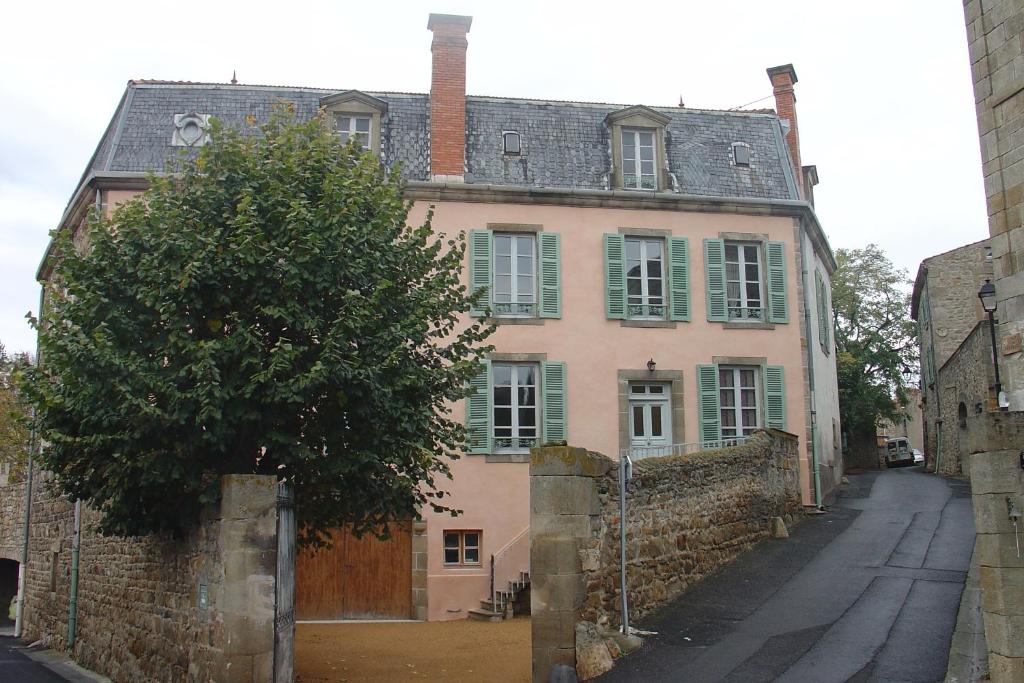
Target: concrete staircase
[{"x": 515, "y": 600}]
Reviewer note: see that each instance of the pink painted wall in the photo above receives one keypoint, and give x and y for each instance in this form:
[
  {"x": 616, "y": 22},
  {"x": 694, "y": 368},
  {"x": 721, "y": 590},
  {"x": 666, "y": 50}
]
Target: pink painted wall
[{"x": 594, "y": 350}]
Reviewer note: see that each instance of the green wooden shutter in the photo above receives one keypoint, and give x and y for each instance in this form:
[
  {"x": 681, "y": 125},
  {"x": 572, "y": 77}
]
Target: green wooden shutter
[
  {"x": 550, "y": 284},
  {"x": 818, "y": 294},
  {"x": 554, "y": 401},
  {"x": 481, "y": 243},
  {"x": 707, "y": 393},
  {"x": 774, "y": 397},
  {"x": 615, "y": 277},
  {"x": 824, "y": 316},
  {"x": 478, "y": 412},
  {"x": 714, "y": 279},
  {"x": 778, "y": 309},
  {"x": 679, "y": 278}
]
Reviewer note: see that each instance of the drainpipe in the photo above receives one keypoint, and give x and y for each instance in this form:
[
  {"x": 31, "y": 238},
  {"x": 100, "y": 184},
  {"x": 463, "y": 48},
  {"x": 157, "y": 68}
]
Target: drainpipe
[
  {"x": 938, "y": 445},
  {"x": 20, "y": 609},
  {"x": 625, "y": 472},
  {"x": 76, "y": 543},
  {"x": 804, "y": 274}
]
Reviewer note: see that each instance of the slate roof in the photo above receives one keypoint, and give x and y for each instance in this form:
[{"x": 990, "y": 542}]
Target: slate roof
[{"x": 565, "y": 144}]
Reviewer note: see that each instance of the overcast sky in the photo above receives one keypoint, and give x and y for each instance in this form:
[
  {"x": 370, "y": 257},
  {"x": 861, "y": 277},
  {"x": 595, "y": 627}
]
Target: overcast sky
[{"x": 884, "y": 98}]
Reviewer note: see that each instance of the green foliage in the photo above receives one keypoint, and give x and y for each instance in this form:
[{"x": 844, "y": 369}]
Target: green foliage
[
  {"x": 266, "y": 310},
  {"x": 875, "y": 337},
  {"x": 13, "y": 415}
]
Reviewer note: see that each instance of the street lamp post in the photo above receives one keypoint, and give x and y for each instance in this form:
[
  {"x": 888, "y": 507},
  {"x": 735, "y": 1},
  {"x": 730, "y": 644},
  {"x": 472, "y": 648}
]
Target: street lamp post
[{"x": 987, "y": 294}]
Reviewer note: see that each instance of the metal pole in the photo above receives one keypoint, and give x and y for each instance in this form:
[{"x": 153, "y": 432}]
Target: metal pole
[
  {"x": 20, "y": 609},
  {"x": 76, "y": 544},
  {"x": 623, "y": 471},
  {"x": 995, "y": 356}
]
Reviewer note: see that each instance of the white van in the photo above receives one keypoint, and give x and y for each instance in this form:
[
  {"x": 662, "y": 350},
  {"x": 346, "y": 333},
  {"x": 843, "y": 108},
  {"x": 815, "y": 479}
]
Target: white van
[{"x": 898, "y": 452}]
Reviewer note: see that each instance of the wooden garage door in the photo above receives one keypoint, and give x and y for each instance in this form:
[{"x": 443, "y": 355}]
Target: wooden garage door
[{"x": 357, "y": 578}]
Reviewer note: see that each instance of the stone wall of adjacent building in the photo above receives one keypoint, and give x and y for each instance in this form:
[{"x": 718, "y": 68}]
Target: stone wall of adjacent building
[
  {"x": 997, "y": 492},
  {"x": 963, "y": 391},
  {"x": 12, "y": 521},
  {"x": 997, "y": 68},
  {"x": 196, "y": 609},
  {"x": 686, "y": 516},
  {"x": 947, "y": 308}
]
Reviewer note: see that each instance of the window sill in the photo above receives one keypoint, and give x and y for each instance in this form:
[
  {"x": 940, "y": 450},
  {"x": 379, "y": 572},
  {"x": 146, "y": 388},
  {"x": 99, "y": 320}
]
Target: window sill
[
  {"x": 507, "y": 457},
  {"x": 499, "y": 320},
  {"x": 669, "y": 324},
  {"x": 748, "y": 325}
]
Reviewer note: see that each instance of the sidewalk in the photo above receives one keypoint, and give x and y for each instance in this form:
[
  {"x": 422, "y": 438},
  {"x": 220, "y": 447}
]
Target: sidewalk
[{"x": 39, "y": 665}]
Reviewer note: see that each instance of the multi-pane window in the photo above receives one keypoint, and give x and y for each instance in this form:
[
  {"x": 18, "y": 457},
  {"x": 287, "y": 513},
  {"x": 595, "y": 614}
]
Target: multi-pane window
[
  {"x": 462, "y": 547},
  {"x": 649, "y": 415},
  {"x": 737, "y": 401},
  {"x": 516, "y": 413},
  {"x": 354, "y": 127},
  {"x": 744, "y": 298},
  {"x": 515, "y": 274},
  {"x": 638, "y": 159},
  {"x": 645, "y": 280}
]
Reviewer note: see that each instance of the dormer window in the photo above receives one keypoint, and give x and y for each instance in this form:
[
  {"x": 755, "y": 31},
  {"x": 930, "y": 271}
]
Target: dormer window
[
  {"x": 512, "y": 143},
  {"x": 741, "y": 154},
  {"x": 353, "y": 127},
  {"x": 357, "y": 117},
  {"x": 638, "y": 149},
  {"x": 638, "y": 171}
]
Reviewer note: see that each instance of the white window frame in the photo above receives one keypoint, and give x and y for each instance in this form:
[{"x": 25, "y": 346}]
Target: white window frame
[
  {"x": 518, "y": 305},
  {"x": 362, "y": 136},
  {"x": 738, "y": 406},
  {"x": 516, "y": 441},
  {"x": 645, "y": 310},
  {"x": 740, "y": 308},
  {"x": 643, "y": 398},
  {"x": 634, "y": 167},
  {"x": 462, "y": 547}
]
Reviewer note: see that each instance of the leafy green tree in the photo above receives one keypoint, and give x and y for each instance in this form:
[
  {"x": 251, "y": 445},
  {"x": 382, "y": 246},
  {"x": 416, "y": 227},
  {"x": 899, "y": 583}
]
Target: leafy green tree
[
  {"x": 267, "y": 310},
  {"x": 13, "y": 414},
  {"x": 875, "y": 339}
]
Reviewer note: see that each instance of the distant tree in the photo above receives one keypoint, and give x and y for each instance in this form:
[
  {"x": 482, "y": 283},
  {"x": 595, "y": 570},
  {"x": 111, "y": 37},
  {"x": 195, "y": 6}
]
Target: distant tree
[
  {"x": 875, "y": 339},
  {"x": 13, "y": 415},
  {"x": 265, "y": 310}
]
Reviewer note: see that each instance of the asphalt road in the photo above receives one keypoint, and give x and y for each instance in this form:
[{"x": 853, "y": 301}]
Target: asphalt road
[
  {"x": 14, "y": 666},
  {"x": 868, "y": 592}
]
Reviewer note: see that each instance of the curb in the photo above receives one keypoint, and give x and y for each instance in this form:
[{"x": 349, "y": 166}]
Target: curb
[{"x": 62, "y": 665}]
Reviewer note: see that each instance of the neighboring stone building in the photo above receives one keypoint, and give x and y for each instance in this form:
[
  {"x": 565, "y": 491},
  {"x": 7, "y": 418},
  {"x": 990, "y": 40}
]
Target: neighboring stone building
[
  {"x": 607, "y": 236},
  {"x": 946, "y": 307},
  {"x": 994, "y": 36}
]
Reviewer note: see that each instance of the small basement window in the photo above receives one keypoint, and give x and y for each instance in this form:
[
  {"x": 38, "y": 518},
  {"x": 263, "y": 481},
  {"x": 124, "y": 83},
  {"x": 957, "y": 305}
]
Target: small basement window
[
  {"x": 512, "y": 142},
  {"x": 741, "y": 153}
]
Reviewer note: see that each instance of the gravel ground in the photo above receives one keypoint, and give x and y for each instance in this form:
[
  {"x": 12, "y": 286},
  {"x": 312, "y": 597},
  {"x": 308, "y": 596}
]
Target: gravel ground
[{"x": 461, "y": 650}]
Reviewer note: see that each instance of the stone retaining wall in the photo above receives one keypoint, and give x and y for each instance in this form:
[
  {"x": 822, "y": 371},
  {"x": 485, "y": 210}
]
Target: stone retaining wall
[
  {"x": 686, "y": 517},
  {"x": 153, "y": 609},
  {"x": 12, "y": 521}
]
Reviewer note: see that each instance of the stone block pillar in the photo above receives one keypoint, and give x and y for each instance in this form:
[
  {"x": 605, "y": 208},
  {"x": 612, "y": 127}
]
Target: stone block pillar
[
  {"x": 997, "y": 483},
  {"x": 564, "y": 517},
  {"x": 247, "y": 547}
]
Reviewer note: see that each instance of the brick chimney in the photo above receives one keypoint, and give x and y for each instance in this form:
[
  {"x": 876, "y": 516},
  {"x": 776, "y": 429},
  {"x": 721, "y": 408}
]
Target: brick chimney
[
  {"x": 783, "y": 78},
  {"x": 448, "y": 96}
]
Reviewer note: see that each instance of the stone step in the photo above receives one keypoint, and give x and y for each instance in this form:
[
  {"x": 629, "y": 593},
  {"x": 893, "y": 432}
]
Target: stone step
[{"x": 485, "y": 615}]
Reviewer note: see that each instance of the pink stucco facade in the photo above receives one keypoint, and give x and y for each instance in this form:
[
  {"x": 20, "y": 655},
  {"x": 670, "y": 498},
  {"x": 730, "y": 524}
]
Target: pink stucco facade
[{"x": 495, "y": 496}]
